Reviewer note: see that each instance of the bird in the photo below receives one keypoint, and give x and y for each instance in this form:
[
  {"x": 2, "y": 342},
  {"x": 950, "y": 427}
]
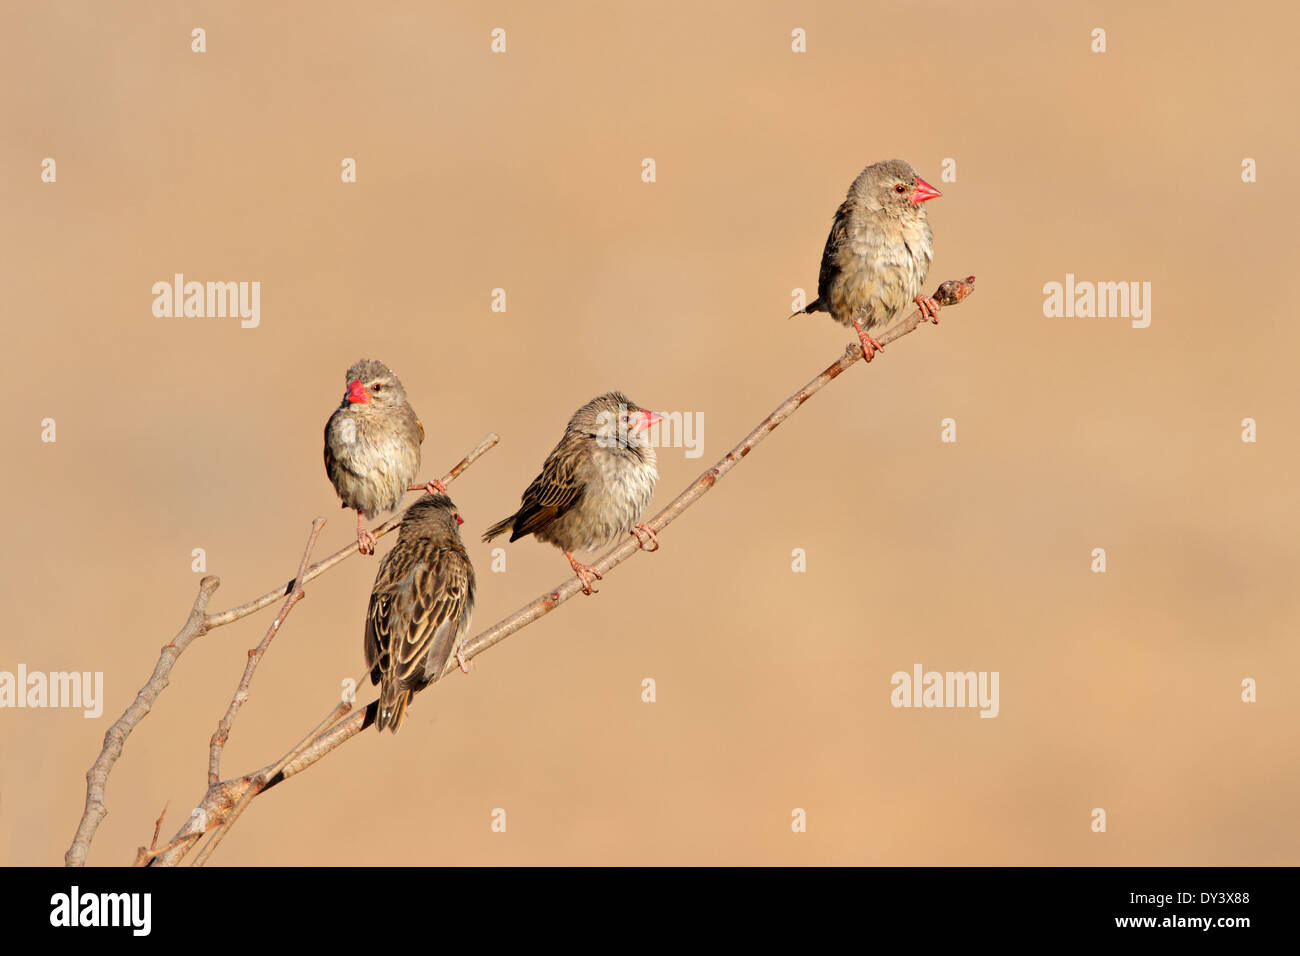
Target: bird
[
  {"x": 878, "y": 252},
  {"x": 594, "y": 485},
  {"x": 372, "y": 446},
  {"x": 420, "y": 606}
]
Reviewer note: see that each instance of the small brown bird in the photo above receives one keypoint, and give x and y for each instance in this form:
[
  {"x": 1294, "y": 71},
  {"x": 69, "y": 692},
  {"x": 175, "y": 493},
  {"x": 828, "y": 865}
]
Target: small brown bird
[
  {"x": 878, "y": 252},
  {"x": 594, "y": 486},
  {"x": 372, "y": 446},
  {"x": 420, "y": 606}
]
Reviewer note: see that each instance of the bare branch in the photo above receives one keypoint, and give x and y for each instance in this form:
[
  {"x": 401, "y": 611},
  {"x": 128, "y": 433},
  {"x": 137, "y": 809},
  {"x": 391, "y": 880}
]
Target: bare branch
[
  {"x": 270, "y": 775},
  {"x": 222, "y": 733},
  {"x": 144, "y": 855},
  {"x": 337, "y": 733},
  {"x": 196, "y": 625},
  {"x": 97, "y": 776}
]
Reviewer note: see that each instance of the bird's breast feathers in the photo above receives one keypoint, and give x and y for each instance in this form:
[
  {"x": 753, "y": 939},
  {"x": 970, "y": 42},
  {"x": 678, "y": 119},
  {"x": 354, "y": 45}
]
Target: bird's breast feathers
[
  {"x": 880, "y": 271},
  {"x": 371, "y": 464},
  {"x": 618, "y": 489}
]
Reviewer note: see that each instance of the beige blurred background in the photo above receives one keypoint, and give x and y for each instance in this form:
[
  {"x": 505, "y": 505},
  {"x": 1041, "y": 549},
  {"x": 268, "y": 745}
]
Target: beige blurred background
[{"x": 522, "y": 171}]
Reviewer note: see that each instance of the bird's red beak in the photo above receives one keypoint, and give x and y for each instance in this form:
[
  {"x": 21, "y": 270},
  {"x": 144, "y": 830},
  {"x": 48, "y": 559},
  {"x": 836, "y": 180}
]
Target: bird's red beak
[
  {"x": 646, "y": 420},
  {"x": 357, "y": 393},
  {"x": 923, "y": 191},
  {"x": 459, "y": 520}
]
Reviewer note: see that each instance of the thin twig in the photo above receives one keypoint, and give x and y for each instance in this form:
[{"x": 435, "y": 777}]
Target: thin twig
[
  {"x": 222, "y": 733},
  {"x": 97, "y": 776},
  {"x": 196, "y": 625},
  {"x": 265, "y": 777},
  {"x": 144, "y": 855},
  {"x": 157, "y": 826}
]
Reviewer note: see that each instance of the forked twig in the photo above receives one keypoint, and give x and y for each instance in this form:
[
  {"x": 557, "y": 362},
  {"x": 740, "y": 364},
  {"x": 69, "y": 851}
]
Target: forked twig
[{"x": 198, "y": 623}]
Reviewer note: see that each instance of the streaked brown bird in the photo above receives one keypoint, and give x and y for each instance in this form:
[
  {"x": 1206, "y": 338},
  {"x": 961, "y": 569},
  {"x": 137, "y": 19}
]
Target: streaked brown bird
[
  {"x": 420, "y": 606},
  {"x": 878, "y": 252},
  {"x": 594, "y": 486},
  {"x": 372, "y": 446}
]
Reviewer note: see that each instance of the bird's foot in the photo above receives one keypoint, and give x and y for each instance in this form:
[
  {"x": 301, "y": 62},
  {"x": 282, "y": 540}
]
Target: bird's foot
[
  {"x": 432, "y": 487},
  {"x": 462, "y": 661},
  {"x": 869, "y": 345},
  {"x": 365, "y": 540},
  {"x": 585, "y": 573},
  {"x": 651, "y": 536},
  {"x": 929, "y": 308}
]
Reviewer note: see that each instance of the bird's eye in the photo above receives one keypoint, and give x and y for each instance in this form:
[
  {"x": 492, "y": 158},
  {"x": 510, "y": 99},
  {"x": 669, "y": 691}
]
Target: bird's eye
[
  {"x": 376, "y": 387},
  {"x": 900, "y": 189}
]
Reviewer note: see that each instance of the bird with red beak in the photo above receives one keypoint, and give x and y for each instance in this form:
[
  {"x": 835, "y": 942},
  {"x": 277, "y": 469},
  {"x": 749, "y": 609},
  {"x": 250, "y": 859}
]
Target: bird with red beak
[
  {"x": 372, "y": 446},
  {"x": 878, "y": 252},
  {"x": 594, "y": 486}
]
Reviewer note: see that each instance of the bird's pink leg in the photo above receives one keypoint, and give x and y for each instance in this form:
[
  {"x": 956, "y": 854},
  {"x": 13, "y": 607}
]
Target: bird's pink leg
[
  {"x": 869, "y": 345},
  {"x": 929, "y": 308},
  {"x": 365, "y": 540},
  {"x": 584, "y": 572},
  {"x": 461, "y": 660},
  {"x": 652, "y": 535},
  {"x": 432, "y": 487}
]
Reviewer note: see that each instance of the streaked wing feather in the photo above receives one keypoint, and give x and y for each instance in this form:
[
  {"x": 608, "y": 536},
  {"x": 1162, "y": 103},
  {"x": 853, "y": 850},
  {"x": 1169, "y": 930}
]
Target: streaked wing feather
[
  {"x": 556, "y": 490},
  {"x": 416, "y": 619}
]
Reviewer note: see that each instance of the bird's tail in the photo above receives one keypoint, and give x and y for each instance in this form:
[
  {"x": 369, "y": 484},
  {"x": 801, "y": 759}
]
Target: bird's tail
[
  {"x": 392, "y": 705},
  {"x": 501, "y": 527},
  {"x": 814, "y": 306}
]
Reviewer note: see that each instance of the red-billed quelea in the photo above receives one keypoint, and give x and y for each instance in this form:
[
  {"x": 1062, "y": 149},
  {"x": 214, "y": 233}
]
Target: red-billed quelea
[
  {"x": 878, "y": 252},
  {"x": 372, "y": 446},
  {"x": 594, "y": 486},
  {"x": 420, "y": 606}
]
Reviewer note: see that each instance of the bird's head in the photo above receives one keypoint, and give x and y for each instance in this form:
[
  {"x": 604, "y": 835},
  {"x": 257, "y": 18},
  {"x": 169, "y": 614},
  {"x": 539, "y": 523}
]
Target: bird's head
[
  {"x": 433, "y": 516},
  {"x": 374, "y": 384},
  {"x": 613, "y": 419},
  {"x": 893, "y": 186}
]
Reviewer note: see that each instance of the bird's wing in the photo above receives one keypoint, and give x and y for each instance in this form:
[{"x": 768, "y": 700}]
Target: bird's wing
[
  {"x": 329, "y": 456},
  {"x": 335, "y": 465},
  {"x": 831, "y": 254},
  {"x": 557, "y": 489},
  {"x": 332, "y": 463},
  {"x": 411, "y": 423},
  {"x": 383, "y": 616},
  {"x": 414, "y": 620}
]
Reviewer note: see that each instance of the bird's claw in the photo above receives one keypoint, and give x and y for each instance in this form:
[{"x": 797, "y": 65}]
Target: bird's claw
[
  {"x": 432, "y": 487},
  {"x": 869, "y": 345},
  {"x": 585, "y": 573},
  {"x": 929, "y": 308},
  {"x": 461, "y": 660},
  {"x": 365, "y": 540},
  {"x": 649, "y": 532}
]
